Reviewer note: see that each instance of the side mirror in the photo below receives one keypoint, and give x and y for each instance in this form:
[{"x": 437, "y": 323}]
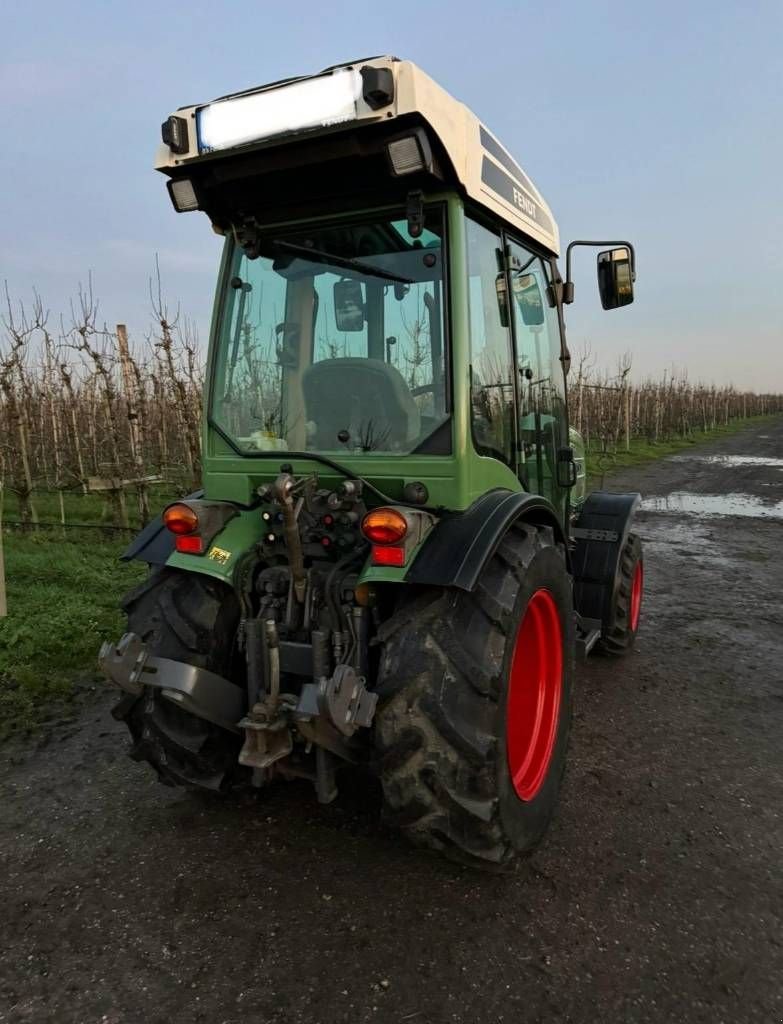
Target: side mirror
[
  {"x": 349, "y": 306},
  {"x": 615, "y": 277},
  {"x": 567, "y": 473},
  {"x": 529, "y": 299}
]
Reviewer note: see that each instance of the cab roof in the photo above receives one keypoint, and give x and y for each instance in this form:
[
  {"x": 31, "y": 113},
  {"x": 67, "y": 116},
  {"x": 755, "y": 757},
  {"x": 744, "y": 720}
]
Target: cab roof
[{"x": 370, "y": 92}]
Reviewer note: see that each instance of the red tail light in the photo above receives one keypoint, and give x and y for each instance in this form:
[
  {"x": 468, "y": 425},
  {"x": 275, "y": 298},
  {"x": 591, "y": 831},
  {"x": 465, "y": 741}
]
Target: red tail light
[
  {"x": 189, "y": 545},
  {"x": 384, "y": 555},
  {"x": 385, "y": 526},
  {"x": 180, "y": 519}
]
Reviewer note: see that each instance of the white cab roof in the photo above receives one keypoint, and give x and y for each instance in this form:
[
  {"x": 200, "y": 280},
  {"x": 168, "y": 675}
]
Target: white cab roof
[{"x": 485, "y": 169}]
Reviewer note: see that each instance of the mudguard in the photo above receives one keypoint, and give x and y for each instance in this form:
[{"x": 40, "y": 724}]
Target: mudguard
[
  {"x": 599, "y": 535},
  {"x": 461, "y": 544},
  {"x": 154, "y": 544}
]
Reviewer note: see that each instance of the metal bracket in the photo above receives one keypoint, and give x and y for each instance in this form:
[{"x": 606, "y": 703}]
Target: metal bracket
[
  {"x": 265, "y": 741},
  {"x": 131, "y": 667},
  {"x": 581, "y": 533},
  {"x": 588, "y": 633},
  {"x": 343, "y": 700}
]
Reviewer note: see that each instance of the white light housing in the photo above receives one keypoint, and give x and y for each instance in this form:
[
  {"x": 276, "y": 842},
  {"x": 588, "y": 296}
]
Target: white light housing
[
  {"x": 314, "y": 103},
  {"x": 183, "y": 195},
  {"x": 405, "y": 155},
  {"x": 410, "y": 153}
]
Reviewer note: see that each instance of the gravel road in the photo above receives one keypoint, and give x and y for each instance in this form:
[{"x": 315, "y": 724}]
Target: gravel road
[{"x": 657, "y": 896}]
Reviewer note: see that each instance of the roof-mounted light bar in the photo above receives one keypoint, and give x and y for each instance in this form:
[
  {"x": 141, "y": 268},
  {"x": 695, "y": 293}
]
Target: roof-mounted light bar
[{"x": 313, "y": 103}]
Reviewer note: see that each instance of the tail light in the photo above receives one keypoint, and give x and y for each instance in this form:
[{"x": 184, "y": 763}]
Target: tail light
[
  {"x": 190, "y": 545},
  {"x": 180, "y": 519},
  {"x": 384, "y": 526},
  {"x": 195, "y": 523},
  {"x": 395, "y": 533},
  {"x": 388, "y": 556}
]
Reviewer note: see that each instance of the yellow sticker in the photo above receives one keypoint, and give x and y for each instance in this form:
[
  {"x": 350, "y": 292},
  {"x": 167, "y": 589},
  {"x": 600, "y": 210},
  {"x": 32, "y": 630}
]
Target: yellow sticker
[{"x": 219, "y": 555}]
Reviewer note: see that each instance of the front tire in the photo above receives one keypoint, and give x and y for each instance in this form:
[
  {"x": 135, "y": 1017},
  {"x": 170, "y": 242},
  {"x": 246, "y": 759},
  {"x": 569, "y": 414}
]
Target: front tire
[
  {"x": 619, "y": 637},
  {"x": 475, "y": 705}
]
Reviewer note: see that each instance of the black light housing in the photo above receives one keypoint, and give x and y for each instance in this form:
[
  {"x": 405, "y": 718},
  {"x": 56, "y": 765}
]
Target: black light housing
[
  {"x": 174, "y": 132},
  {"x": 183, "y": 195},
  {"x": 377, "y": 86}
]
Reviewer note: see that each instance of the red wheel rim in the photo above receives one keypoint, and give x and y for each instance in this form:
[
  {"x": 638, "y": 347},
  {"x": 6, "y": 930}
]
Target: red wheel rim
[
  {"x": 637, "y": 586},
  {"x": 534, "y": 690}
]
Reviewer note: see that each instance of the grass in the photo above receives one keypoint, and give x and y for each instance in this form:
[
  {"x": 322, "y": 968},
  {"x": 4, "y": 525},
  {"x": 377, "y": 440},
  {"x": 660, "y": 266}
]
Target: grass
[
  {"x": 643, "y": 451},
  {"x": 62, "y": 603}
]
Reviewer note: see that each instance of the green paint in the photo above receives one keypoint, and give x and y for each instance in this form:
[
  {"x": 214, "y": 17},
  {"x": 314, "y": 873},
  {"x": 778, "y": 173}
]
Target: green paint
[{"x": 236, "y": 537}]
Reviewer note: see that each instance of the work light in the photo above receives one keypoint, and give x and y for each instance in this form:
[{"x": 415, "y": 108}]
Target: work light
[
  {"x": 183, "y": 195},
  {"x": 409, "y": 153}
]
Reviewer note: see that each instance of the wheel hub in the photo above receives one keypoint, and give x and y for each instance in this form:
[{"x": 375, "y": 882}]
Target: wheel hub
[
  {"x": 534, "y": 693},
  {"x": 637, "y": 586}
]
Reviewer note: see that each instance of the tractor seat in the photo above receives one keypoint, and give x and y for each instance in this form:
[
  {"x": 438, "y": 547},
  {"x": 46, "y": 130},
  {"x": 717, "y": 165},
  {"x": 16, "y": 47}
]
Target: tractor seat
[{"x": 366, "y": 397}]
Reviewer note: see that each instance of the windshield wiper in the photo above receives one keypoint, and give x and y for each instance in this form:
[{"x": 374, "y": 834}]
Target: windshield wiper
[{"x": 318, "y": 256}]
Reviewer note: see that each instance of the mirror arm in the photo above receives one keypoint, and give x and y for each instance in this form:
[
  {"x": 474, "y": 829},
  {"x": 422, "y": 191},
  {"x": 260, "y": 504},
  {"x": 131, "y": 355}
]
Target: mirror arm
[
  {"x": 568, "y": 286},
  {"x": 414, "y": 213}
]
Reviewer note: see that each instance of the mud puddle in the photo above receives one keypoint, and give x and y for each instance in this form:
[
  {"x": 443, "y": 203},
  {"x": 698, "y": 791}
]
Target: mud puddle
[
  {"x": 714, "y": 505},
  {"x": 732, "y": 460}
]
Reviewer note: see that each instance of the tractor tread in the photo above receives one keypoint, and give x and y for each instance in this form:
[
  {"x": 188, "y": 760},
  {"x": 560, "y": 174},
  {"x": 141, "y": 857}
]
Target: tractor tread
[
  {"x": 435, "y": 735},
  {"x": 191, "y": 618},
  {"x": 619, "y": 638}
]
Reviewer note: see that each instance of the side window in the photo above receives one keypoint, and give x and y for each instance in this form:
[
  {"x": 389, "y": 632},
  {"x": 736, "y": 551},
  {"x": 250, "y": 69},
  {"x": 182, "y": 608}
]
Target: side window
[
  {"x": 542, "y": 385},
  {"x": 491, "y": 358}
]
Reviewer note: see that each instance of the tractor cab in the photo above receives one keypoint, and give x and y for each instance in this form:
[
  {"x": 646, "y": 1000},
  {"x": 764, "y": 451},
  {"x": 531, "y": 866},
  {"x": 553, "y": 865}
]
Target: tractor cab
[{"x": 389, "y": 296}]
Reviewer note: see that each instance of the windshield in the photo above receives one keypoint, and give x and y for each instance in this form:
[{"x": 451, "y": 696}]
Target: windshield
[{"x": 332, "y": 341}]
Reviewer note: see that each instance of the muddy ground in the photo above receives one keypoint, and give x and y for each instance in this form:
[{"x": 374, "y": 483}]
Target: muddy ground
[{"x": 657, "y": 896}]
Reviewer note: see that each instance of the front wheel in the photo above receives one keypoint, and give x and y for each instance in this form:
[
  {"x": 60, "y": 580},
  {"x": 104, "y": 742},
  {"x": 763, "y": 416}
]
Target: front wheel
[
  {"x": 620, "y": 635},
  {"x": 475, "y": 705}
]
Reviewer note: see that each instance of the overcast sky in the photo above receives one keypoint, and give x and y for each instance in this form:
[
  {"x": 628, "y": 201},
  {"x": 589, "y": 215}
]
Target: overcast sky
[{"x": 660, "y": 122}]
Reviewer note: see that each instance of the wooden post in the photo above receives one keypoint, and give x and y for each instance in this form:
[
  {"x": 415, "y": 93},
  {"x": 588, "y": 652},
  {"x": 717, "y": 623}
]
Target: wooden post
[
  {"x": 135, "y": 426},
  {"x": 62, "y": 510},
  {"x": 3, "y": 602}
]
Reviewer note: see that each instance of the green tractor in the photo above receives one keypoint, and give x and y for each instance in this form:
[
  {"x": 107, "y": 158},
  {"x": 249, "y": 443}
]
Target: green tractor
[{"x": 393, "y": 561}]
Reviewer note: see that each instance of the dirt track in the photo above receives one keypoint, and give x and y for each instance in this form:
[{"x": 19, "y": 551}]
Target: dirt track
[{"x": 658, "y": 895}]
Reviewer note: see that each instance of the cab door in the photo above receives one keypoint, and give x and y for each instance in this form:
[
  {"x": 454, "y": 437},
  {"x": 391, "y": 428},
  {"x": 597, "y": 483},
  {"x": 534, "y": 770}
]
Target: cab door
[{"x": 543, "y": 419}]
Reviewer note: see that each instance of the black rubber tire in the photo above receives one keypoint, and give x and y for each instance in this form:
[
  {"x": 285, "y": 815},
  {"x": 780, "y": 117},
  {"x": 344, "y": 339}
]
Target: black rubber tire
[
  {"x": 191, "y": 618},
  {"x": 440, "y": 729},
  {"x": 618, "y": 638}
]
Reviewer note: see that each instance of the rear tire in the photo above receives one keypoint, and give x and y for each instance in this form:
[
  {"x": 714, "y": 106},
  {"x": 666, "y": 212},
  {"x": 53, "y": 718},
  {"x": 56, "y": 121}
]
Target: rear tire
[
  {"x": 620, "y": 636},
  {"x": 191, "y": 618},
  {"x": 442, "y": 732}
]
